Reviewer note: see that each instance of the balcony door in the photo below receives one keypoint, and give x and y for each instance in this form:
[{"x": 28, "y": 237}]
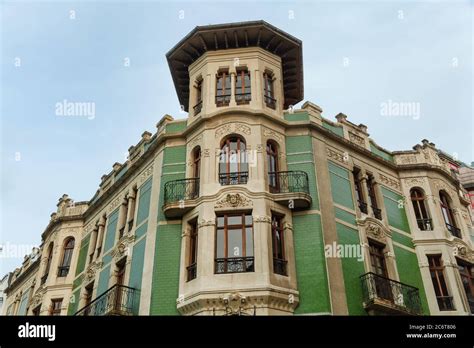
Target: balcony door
[
  {"x": 120, "y": 279},
  {"x": 379, "y": 267}
]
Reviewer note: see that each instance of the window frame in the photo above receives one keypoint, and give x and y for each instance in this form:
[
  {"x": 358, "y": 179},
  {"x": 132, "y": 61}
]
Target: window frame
[
  {"x": 437, "y": 267},
  {"x": 243, "y": 241},
  {"x": 224, "y": 98}
]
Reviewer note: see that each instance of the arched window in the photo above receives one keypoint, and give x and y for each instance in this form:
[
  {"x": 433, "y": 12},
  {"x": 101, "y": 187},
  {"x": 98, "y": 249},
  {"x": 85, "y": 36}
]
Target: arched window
[
  {"x": 272, "y": 160},
  {"x": 48, "y": 263},
  {"x": 419, "y": 206},
  {"x": 63, "y": 268},
  {"x": 448, "y": 216},
  {"x": 233, "y": 166}
]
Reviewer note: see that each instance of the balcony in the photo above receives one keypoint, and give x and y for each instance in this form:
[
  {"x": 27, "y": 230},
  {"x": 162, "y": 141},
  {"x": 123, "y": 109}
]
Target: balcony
[
  {"x": 270, "y": 102},
  {"x": 197, "y": 108},
  {"x": 233, "y": 178},
  {"x": 234, "y": 265},
  {"x": 425, "y": 224},
  {"x": 445, "y": 303},
  {"x": 456, "y": 232},
  {"x": 118, "y": 300},
  {"x": 180, "y": 196},
  {"x": 290, "y": 189},
  {"x": 223, "y": 100},
  {"x": 386, "y": 296},
  {"x": 63, "y": 271},
  {"x": 191, "y": 271},
  {"x": 363, "y": 207},
  {"x": 377, "y": 213},
  {"x": 279, "y": 267},
  {"x": 243, "y": 98}
]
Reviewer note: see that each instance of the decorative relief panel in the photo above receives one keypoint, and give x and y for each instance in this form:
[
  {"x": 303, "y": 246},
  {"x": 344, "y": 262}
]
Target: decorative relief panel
[
  {"x": 374, "y": 229},
  {"x": 264, "y": 219},
  {"x": 233, "y": 200},
  {"x": 337, "y": 155},
  {"x": 269, "y": 133},
  {"x": 356, "y": 139},
  {"x": 390, "y": 181},
  {"x": 235, "y": 127}
]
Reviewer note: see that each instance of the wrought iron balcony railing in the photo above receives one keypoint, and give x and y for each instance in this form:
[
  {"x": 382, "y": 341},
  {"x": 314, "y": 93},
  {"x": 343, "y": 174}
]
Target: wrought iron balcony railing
[
  {"x": 192, "y": 271},
  {"x": 223, "y": 100},
  {"x": 403, "y": 297},
  {"x": 445, "y": 303},
  {"x": 377, "y": 213},
  {"x": 234, "y": 265},
  {"x": 286, "y": 182},
  {"x": 63, "y": 271},
  {"x": 44, "y": 278},
  {"x": 181, "y": 190},
  {"x": 425, "y": 224},
  {"x": 233, "y": 178},
  {"x": 456, "y": 232},
  {"x": 270, "y": 102},
  {"x": 118, "y": 300},
  {"x": 197, "y": 108},
  {"x": 242, "y": 98},
  {"x": 363, "y": 207},
  {"x": 279, "y": 266}
]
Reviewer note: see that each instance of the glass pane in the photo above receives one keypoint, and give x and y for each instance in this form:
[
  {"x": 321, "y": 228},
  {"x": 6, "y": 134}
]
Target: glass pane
[
  {"x": 234, "y": 220},
  {"x": 220, "y": 221},
  {"x": 220, "y": 244},
  {"x": 248, "y": 241},
  {"x": 234, "y": 243},
  {"x": 248, "y": 219}
]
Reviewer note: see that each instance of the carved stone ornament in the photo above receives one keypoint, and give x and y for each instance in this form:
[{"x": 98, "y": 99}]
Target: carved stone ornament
[
  {"x": 461, "y": 250},
  {"x": 374, "y": 229},
  {"x": 206, "y": 223},
  {"x": 269, "y": 133},
  {"x": 414, "y": 182},
  {"x": 122, "y": 247},
  {"x": 38, "y": 297},
  {"x": 394, "y": 183},
  {"x": 233, "y": 200},
  {"x": 264, "y": 219},
  {"x": 234, "y": 303},
  {"x": 92, "y": 270}
]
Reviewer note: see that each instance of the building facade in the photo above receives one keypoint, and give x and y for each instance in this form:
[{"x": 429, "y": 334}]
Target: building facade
[{"x": 252, "y": 207}]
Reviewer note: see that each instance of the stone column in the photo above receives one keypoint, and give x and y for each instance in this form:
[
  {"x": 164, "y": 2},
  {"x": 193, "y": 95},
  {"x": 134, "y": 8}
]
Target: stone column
[
  {"x": 100, "y": 237},
  {"x": 131, "y": 209}
]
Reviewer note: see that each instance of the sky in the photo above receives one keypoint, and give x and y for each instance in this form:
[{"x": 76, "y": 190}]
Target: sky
[{"x": 358, "y": 57}]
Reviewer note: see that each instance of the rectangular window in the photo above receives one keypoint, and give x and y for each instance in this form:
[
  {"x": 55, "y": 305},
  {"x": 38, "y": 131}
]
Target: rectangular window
[
  {"x": 56, "y": 307},
  {"x": 223, "y": 88},
  {"x": 373, "y": 197},
  {"x": 268, "y": 93},
  {"x": 193, "y": 250},
  {"x": 234, "y": 244},
  {"x": 358, "y": 191},
  {"x": 466, "y": 271},
  {"x": 445, "y": 301},
  {"x": 242, "y": 87},
  {"x": 278, "y": 246}
]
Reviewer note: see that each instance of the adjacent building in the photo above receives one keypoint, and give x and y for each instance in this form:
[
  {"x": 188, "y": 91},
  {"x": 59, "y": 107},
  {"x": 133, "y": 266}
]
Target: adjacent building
[{"x": 252, "y": 207}]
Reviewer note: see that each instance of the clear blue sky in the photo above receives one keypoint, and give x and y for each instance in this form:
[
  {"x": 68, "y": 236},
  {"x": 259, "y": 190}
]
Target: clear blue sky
[{"x": 404, "y": 51}]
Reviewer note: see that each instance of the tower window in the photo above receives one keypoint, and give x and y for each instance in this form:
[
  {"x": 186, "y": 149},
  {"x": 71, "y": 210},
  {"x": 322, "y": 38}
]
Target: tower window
[
  {"x": 198, "y": 106},
  {"x": 223, "y": 88},
  {"x": 242, "y": 87},
  {"x": 233, "y": 165},
  {"x": 445, "y": 301}
]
